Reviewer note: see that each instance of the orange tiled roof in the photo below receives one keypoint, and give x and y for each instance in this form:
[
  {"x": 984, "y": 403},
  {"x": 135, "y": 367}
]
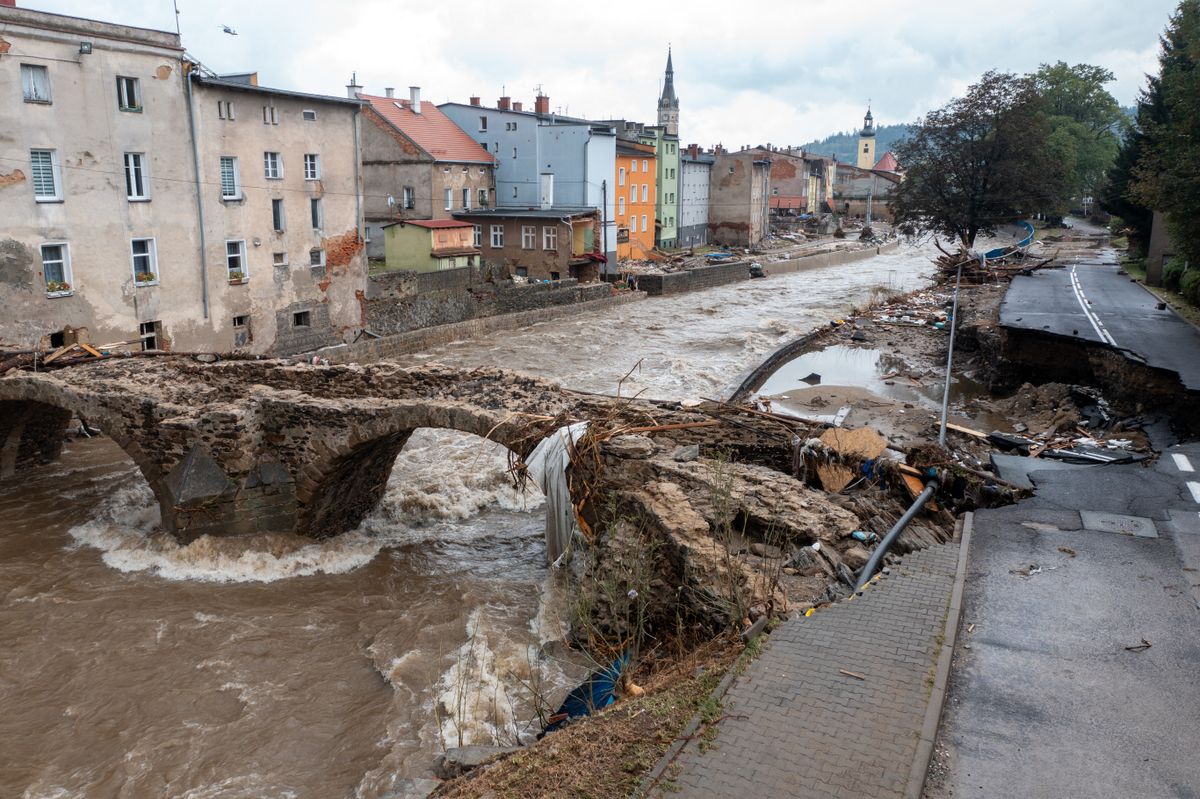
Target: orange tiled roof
[
  {"x": 431, "y": 130},
  {"x": 888, "y": 163}
]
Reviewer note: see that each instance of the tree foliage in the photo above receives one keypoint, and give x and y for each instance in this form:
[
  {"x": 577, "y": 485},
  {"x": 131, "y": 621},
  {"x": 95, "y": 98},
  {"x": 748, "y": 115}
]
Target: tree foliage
[
  {"x": 1166, "y": 176},
  {"x": 1085, "y": 124},
  {"x": 1116, "y": 196},
  {"x": 981, "y": 161}
]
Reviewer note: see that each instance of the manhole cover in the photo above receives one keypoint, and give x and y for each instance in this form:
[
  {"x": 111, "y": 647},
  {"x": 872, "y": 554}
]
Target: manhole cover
[{"x": 1116, "y": 523}]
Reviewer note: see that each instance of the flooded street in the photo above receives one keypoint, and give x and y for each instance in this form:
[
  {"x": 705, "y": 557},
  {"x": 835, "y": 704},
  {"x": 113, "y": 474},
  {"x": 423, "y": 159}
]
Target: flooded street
[{"x": 270, "y": 667}]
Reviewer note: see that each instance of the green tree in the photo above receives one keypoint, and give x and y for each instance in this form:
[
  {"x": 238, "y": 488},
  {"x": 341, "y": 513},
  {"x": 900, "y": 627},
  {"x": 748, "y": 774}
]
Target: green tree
[
  {"x": 1117, "y": 195},
  {"x": 979, "y": 162},
  {"x": 1085, "y": 125},
  {"x": 1167, "y": 173}
]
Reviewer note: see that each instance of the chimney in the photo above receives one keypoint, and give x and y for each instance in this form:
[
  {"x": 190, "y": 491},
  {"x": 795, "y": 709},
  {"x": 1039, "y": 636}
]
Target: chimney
[
  {"x": 694, "y": 150},
  {"x": 474, "y": 100},
  {"x": 352, "y": 88},
  {"x": 504, "y": 103},
  {"x": 541, "y": 104},
  {"x": 517, "y": 106},
  {"x": 389, "y": 92},
  {"x": 9, "y": 3},
  {"x": 414, "y": 98}
]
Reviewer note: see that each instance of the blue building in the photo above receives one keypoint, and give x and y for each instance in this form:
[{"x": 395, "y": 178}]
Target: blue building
[{"x": 546, "y": 160}]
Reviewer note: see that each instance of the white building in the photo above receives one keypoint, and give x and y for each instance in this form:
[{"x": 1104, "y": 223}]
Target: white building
[{"x": 695, "y": 174}]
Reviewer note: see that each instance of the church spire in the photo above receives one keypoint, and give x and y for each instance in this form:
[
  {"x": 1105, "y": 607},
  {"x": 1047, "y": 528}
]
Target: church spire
[{"x": 668, "y": 103}]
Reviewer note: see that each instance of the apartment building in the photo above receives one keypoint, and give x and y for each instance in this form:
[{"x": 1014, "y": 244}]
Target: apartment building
[{"x": 636, "y": 188}]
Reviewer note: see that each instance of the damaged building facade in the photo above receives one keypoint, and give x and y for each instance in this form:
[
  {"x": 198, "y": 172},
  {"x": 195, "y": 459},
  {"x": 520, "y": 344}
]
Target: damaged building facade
[
  {"x": 149, "y": 202},
  {"x": 740, "y": 191}
]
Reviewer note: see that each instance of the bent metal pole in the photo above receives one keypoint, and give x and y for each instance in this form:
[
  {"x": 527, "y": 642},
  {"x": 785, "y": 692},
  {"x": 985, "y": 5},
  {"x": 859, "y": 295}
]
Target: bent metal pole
[
  {"x": 950, "y": 354},
  {"x": 872, "y": 566}
]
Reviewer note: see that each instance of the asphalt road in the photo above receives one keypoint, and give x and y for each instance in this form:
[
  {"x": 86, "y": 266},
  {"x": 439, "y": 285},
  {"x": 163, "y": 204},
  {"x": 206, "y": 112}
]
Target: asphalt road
[
  {"x": 1090, "y": 299},
  {"x": 1078, "y": 657}
]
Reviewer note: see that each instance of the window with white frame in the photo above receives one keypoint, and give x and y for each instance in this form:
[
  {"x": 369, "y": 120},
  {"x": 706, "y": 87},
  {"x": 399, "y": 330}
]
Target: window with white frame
[
  {"x": 270, "y": 115},
  {"x": 279, "y": 259},
  {"x": 317, "y": 209},
  {"x": 621, "y": 176},
  {"x": 309, "y": 115},
  {"x": 316, "y": 257},
  {"x": 466, "y": 197},
  {"x": 497, "y": 236},
  {"x": 277, "y": 217},
  {"x": 46, "y": 174},
  {"x": 448, "y": 198},
  {"x": 272, "y": 166},
  {"x": 644, "y": 168},
  {"x": 644, "y": 228},
  {"x": 56, "y": 269},
  {"x": 645, "y": 191},
  {"x": 482, "y": 124},
  {"x": 550, "y": 237},
  {"x": 483, "y": 198},
  {"x": 408, "y": 197},
  {"x": 312, "y": 166},
  {"x": 137, "y": 181},
  {"x": 35, "y": 83},
  {"x": 225, "y": 110},
  {"x": 236, "y": 267},
  {"x": 514, "y": 192},
  {"x": 528, "y": 234},
  {"x": 129, "y": 94},
  {"x": 514, "y": 152},
  {"x": 145, "y": 261},
  {"x": 241, "y": 331},
  {"x": 621, "y": 206},
  {"x": 151, "y": 335},
  {"x": 477, "y": 235},
  {"x": 633, "y": 224},
  {"x": 231, "y": 181},
  {"x": 633, "y": 195},
  {"x": 633, "y": 165}
]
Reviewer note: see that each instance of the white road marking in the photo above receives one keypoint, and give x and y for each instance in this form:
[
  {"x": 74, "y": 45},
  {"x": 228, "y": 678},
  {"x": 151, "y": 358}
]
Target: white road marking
[
  {"x": 1194, "y": 487},
  {"x": 1097, "y": 325},
  {"x": 1181, "y": 462}
]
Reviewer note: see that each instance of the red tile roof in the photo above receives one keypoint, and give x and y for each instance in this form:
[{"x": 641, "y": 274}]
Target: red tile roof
[
  {"x": 888, "y": 163},
  {"x": 431, "y": 130},
  {"x": 433, "y": 224},
  {"x": 784, "y": 201}
]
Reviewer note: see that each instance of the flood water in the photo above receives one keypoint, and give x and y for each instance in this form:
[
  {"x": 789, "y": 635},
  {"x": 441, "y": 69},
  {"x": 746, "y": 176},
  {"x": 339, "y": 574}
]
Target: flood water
[{"x": 135, "y": 667}]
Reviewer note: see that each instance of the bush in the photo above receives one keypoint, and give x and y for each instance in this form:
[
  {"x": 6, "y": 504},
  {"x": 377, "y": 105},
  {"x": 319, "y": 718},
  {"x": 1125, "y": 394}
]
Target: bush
[
  {"x": 1173, "y": 272},
  {"x": 1189, "y": 286}
]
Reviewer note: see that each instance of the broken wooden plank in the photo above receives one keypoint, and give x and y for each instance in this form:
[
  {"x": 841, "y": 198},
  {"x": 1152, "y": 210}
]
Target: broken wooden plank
[
  {"x": 91, "y": 350},
  {"x": 966, "y": 430},
  {"x": 853, "y": 674},
  {"x": 59, "y": 352}
]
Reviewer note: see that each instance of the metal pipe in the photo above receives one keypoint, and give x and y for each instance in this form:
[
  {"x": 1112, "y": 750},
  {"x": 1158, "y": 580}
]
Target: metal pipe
[
  {"x": 187, "y": 79},
  {"x": 950, "y": 355},
  {"x": 877, "y": 556}
]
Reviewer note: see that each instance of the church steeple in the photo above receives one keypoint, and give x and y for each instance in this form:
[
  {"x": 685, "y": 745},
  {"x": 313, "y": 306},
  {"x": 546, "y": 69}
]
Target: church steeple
[
  {"x": 668, "y": 103},
  {"x": 866, "y": 142}
]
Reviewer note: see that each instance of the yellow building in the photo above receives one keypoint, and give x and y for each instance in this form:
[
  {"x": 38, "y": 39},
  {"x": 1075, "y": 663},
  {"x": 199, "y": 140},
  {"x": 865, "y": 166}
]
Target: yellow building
[
  {"x": 635, "y": 198},
  {"x": 866, "y": 142}
]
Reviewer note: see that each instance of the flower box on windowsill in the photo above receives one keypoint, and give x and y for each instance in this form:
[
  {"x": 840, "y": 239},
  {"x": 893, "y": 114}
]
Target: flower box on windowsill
[
  {"x": 143, "y": 279},
  {"x": 63, "y": 293},
  {"x": 237, "y": 278},
  {"x": 58, "y": 288}
]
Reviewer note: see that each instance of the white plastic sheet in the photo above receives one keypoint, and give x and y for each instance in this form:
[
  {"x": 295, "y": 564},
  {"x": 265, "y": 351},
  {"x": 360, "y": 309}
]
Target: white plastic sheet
[{"x": 548, "y": 467}]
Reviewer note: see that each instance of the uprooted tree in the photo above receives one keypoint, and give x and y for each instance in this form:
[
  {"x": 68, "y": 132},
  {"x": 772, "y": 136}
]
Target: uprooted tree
[{"x": 979, "y": 162}]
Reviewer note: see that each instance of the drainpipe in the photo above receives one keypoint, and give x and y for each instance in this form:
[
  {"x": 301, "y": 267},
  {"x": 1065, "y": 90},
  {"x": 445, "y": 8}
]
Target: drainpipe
[
  {"x": 358, "y": 176},
  {"x": 199, "y": 192},
  {"x": 877, "y": 556},
  {"x": 604, "y": 223}
]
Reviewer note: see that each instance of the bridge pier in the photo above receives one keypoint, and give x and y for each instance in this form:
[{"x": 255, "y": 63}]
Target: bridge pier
[{"x": 31, "y": 433}]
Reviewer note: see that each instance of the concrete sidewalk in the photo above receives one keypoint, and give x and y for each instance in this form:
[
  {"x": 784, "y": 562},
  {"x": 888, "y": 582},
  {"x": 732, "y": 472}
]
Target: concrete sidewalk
[
  {"x": 1054, "y": 692},
  {"x": 796, "y": 725}
]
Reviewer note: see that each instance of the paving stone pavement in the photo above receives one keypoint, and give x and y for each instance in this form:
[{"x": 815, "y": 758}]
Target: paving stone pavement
[{"x": 797, "y": 727}]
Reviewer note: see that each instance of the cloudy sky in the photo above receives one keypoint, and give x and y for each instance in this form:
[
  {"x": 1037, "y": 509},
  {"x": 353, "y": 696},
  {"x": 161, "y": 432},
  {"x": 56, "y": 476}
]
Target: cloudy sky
[{"x": 746, "y": 72}]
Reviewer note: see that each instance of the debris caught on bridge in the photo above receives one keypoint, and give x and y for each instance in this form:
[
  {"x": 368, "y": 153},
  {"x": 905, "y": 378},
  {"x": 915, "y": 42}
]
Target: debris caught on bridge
[{"x": 547, "y": 465}]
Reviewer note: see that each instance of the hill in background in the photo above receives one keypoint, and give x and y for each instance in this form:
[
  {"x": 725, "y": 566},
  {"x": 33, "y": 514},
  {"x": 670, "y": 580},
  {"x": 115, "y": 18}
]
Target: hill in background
[{"x": 844, "y": 146}]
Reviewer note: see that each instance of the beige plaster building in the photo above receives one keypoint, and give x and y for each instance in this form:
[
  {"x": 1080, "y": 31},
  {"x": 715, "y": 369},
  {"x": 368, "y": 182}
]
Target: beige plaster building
[{"x": 117, "y": 227}]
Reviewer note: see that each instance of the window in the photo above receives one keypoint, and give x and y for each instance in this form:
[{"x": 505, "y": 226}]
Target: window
[
  {"x": 644, "y": 228},
  {"x": 279, "y": 259},
  {"x": 318, "y": 213},
  {"x": 632, "y": 196},
  {"x": 621, "y": 176},
  {"x": 466, "y": 194},
  {"x": 528, "y": 232},
  {"x": 633, "y": 224},
  {"x": 514, "y": 192},
  {"x": 129, "y": 94},
  {"x": 272, "y": 166},
  {"x": 621, "y": 206},
  {"x": 316, "y": 257},
  {"x": 645, "y": 191},
  {"x": 277, "y": 214},
  {"x": 224, "y": 109},
  {"x": 477, "y": 235},
  {"x": 35, "y": 83},
  {"x": 235, "y": 261},
  {"x": 312, "y": 166},
  {"x": 56, "y": 269},
  {"x": 145, "y": 262},
  {"x": 514, "y": 152},
  {"x": 47, "y": 182},
  {"x": 554, "y": 276},
  {"x": 482, "y": 124},
  {"x": 301, "y": 319},
  {"x": 483, "y": 198},
  {"x": 866, "y": 148},
  {"x": 522, "y": 271},
  {"x": 550, "y": 237},
  {"x": 644, "y": 162},
  {"x": 448, "y": 196},
  {"x": 270, "y": 115},
  {"x": 137, "y": 182},
  {"x": 231, "y": 182},
  {"x": 241, "y": 331},
  {"x": 497, "y": 232},
  {"x": 309, "y": 115},
  {"x": 633, "y": 165},
  {"x": 150, "y": 333},
  {"x": 408, "y": 197}
]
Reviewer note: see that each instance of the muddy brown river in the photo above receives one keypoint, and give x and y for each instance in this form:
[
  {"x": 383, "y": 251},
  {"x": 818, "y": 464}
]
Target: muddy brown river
[{"x": 131, "y": 666}]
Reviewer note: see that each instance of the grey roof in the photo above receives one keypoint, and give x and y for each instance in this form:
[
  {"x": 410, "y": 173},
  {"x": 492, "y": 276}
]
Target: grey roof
[
  {"x": 219, "y": 83},
  {"x": 556, "y": 118},
  {"x": 556, "y": 212}
]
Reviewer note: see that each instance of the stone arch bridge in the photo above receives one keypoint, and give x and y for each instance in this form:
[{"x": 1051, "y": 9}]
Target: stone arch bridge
[{"x": 240, "y": 447}]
